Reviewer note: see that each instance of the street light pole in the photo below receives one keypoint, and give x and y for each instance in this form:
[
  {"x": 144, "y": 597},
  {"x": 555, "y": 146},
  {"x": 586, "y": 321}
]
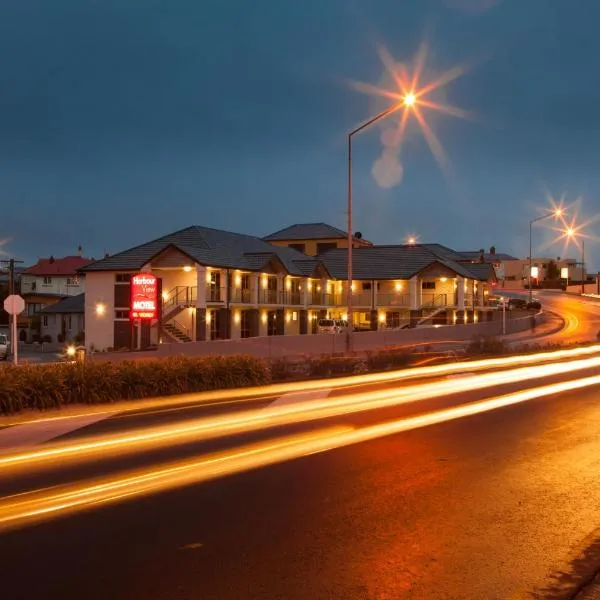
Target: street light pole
[
  {"x": 557, "y": 213},
  {"x": 388, "y": 111},
  {"x": 583, "y": 266}
]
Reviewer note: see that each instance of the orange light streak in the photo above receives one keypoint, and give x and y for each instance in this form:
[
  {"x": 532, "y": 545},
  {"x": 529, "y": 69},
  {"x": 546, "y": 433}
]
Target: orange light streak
[
  {"x": 28, "y": 508},
  {"x": 148, "y": 439},
  {"x": 275, "y": 390}
]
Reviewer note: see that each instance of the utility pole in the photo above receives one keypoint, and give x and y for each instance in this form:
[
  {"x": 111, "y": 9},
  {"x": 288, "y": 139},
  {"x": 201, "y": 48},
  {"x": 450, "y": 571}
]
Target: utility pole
[{"x": 11, "y": 262}]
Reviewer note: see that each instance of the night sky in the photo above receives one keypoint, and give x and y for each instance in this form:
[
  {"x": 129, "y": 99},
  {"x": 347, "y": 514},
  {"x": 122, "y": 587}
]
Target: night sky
[{"x": 123, "y": 120}]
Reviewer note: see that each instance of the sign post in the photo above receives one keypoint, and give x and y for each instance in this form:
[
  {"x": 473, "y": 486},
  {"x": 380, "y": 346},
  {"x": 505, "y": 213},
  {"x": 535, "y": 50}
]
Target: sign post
[
  {"x": 14, "y": 305},
  {"x": 144, "y": 301}
]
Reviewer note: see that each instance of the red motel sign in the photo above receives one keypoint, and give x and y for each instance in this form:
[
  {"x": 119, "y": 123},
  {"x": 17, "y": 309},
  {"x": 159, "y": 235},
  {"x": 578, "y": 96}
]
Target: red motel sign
[{"x": 144, "y": 296}]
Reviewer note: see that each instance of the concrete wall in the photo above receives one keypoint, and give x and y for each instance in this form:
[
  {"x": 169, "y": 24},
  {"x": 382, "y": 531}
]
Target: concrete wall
[
  {"x": 99, "y": 325},
  {"x": 590, "y": 288},
  {"x": 289, "y": 345}
]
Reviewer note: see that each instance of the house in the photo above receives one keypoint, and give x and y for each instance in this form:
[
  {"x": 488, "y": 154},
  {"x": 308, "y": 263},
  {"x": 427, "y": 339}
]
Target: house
[
  {"x": 314, "y": 238},
  {"x": 49, "y": 281},
  {"x": 64, "y": 321},
  {"x": 215, "y": 284}
]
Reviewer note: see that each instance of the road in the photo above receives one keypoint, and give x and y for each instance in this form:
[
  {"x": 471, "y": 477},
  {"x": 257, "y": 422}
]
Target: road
[
  {"x": 500, "y": 504},
  {"x": 581, "y": 315}
]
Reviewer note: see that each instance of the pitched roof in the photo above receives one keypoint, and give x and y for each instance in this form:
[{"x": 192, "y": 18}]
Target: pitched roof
[
  {"x": 70, "y": 305},
  {"x": 211, "y": 247},
  {"x": 307, "y": 231},
  {"x": 395, "y": 262},
  {"x": 443, "y": 252},
  {"x": 69, "y": 265}
]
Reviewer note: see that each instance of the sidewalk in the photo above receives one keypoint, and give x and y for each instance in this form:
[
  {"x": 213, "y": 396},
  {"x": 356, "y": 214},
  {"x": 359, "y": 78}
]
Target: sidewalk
[{"x": 553, "y": 324}]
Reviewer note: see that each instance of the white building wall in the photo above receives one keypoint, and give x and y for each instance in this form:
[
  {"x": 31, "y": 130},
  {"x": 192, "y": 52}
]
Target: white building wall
[
  {"x": 99, "y": 310},
  {"x": 55, "y": 284}
]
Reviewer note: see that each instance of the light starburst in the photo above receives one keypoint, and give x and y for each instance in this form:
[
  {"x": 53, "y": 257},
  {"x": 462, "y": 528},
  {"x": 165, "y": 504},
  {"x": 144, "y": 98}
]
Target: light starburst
[{"x": 413, "y": 97}]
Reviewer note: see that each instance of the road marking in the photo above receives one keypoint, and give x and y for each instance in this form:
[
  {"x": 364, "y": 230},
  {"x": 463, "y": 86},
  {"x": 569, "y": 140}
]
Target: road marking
[
  {"x": 306, "y": 396},
  {"x": 31, "y": 434}
]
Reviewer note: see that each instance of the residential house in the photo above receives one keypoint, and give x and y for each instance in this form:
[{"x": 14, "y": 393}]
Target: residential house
[
  {"x": 314, "y": 238},
  {"x": 217, "y": 284},
  {"x": 49, "y": 281},
  {"x": 65, "y": 320}
]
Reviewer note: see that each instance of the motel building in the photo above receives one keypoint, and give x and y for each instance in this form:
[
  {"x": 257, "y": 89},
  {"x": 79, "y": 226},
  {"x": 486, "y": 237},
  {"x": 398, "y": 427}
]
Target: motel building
[{"x": 208, "y": 284}]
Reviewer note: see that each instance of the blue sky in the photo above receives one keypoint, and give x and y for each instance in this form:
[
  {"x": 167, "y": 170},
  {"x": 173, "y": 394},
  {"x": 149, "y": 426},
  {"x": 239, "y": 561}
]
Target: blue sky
[{"x": 122, "y": 120}]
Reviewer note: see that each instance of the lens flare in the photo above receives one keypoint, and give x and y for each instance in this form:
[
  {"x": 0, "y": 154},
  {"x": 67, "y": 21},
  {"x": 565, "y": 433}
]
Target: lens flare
[{"x": 412, "y": 96}]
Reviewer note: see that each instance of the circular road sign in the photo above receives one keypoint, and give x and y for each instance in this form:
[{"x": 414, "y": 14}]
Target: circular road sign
[{"x": 14, "y": 304}]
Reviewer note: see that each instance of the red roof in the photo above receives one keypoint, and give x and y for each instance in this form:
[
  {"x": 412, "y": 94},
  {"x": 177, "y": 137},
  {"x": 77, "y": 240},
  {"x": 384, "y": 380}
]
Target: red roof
[{"x": 58, "y": 266}]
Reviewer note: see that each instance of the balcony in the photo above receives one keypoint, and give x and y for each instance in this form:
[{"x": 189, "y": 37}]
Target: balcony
[
  {"x": 324, "y": 299},
  {"x": 402, "y": 300},
  {"x": 214, "y": 294},
  {"x": 268, "y": 297},
  {"x": 241, "y": 295},
  {"x": 293, "y": 298}
]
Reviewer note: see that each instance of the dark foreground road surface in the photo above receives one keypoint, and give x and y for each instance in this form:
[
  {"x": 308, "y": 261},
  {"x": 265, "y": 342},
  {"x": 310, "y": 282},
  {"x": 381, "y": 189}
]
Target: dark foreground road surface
[{"x": 503, "y": 505}]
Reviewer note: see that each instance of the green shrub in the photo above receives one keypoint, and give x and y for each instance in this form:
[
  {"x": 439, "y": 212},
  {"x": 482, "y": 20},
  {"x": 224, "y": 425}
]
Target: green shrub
[
  {"x": 486, "y": 346},
  {"x": 93, "y": 382}
]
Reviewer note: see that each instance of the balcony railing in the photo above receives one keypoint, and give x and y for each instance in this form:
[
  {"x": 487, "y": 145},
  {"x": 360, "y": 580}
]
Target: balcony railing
[
  {"x": 325, "y": 299},
  {"x": 434, "y": 300},
  {"x": 181, "y": 295},
  {"x": 293, "y": 298},
  {"x": 393, "y": 300},
  {"x": 268, "y": 297},
  {"x": 214, "y": 294},
  {"x": 241, "y": 295}
]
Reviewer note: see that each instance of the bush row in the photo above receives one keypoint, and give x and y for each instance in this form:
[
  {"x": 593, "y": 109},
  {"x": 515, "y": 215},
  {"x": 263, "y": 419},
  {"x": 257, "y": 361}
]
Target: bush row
[
  {"x": 56, "y": 385},
  {"x": 331, "y": 365}
]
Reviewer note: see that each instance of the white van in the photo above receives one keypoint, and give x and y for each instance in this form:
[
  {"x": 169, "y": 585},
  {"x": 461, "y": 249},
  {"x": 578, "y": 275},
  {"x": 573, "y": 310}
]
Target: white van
[{"x": 327, "y": 326}]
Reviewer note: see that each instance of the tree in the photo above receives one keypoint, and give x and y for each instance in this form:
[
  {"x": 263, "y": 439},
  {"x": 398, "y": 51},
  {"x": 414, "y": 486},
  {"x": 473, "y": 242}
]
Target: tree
[{"x": 552, "y": 271}]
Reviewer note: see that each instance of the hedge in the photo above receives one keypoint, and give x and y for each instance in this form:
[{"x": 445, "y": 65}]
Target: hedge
[{"x": 56, "y": 385}]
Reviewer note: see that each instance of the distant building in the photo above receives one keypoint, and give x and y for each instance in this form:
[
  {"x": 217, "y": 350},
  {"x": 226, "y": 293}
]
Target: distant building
[
  {"x": 49, "y": 281},
  {"x": 314, "y": 238}
]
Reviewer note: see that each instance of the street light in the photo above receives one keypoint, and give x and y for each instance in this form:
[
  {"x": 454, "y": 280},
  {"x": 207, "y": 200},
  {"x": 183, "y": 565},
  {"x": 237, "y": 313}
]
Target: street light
[
  {"x": 406, "y": 101},
  {"x": 559, "y": 212},
  {"x": 572, "y": 234}
]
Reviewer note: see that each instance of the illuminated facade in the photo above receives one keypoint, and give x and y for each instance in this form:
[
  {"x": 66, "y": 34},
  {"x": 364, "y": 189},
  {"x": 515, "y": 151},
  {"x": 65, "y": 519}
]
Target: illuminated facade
[{"x": 214, "y": 284}]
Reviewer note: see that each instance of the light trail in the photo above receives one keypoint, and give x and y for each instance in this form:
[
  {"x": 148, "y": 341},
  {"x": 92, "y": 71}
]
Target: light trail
[
  {"x": 31, "y": 507},
  {"x": 275, "y": 390},
  {"x": 148, "y": 439}
]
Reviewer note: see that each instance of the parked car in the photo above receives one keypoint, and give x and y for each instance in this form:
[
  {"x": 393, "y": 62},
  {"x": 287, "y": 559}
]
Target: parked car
[
  {"x": 4, "y": 345},
  {"x": 327, "y": 326},
  {"x": 498, "y": 303},
  {"x": 517, "y": 303},
  {"x": 534, "y": 305}
]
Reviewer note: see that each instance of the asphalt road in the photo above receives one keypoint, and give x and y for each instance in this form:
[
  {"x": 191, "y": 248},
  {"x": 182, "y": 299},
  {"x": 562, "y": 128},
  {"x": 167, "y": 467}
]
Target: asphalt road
[
  {"x": 502, "y": 505},
  {"x": 581, "y": 315}
]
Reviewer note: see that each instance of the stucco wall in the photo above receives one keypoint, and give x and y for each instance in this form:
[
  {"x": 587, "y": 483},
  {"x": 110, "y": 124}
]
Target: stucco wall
[
  {"x": 99, "y": 328},
  {"x": 289, "y": 345}
]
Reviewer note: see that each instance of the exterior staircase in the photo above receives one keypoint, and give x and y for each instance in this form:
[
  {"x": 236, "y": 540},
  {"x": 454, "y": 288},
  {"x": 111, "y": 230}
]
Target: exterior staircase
[
  {"x": 176, "y": 331},
  {"x": 174, "y": 303},
  {"x": 436, "y": 306}
]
